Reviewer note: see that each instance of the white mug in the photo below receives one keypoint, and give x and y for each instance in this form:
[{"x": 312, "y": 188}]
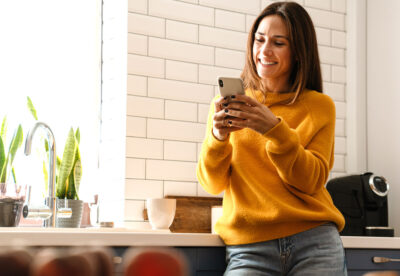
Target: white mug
[{"x": 161, "y": 212}]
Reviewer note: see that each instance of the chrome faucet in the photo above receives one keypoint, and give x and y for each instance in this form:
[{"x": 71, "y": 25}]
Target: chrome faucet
[{"x": 50, "y": 201}]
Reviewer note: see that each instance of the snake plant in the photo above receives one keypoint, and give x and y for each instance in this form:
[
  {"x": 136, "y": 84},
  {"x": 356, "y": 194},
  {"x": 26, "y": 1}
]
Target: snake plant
[
  {"x": 69, "y": 168},
  {"x": 7, "y": 158}
]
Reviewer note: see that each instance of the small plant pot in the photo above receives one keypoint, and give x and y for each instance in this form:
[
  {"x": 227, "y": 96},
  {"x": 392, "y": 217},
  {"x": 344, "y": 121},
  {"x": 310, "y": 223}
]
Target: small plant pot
[
  {"x": 77, "y": 209},
  {"x": 10, "y": 211}
]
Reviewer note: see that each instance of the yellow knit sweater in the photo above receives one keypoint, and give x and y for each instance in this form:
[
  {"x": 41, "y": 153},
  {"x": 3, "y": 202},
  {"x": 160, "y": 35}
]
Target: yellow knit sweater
[{"x": 274, "y": 184}]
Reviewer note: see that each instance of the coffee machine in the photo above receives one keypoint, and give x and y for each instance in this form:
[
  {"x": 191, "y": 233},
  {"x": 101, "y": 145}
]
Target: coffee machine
[{"x": 363, "y": 201}]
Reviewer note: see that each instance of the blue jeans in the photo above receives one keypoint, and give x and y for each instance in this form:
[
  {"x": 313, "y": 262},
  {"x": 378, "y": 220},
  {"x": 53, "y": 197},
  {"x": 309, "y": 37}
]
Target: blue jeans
[{"x": 318, "y": 251}]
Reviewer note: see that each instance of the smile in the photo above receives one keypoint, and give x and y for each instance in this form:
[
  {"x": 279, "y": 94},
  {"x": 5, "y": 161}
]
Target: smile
[{"x": 263, "y": 62}]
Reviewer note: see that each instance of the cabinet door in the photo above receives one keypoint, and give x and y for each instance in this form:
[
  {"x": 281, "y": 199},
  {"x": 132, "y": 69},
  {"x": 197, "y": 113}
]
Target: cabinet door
[
  {"x": 208, "y": 261},
  {"x": 191, "y": 257},
  {"x": 360, "y": 261},
  {"x": 211, "y": 258}
]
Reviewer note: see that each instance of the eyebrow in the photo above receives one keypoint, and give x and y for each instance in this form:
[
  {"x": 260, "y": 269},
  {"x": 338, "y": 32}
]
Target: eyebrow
[{"x": 276, "y": 36}]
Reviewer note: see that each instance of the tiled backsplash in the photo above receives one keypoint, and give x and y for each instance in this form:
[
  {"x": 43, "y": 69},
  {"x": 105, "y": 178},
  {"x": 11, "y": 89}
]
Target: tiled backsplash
[{"x": 176, "y": 49}]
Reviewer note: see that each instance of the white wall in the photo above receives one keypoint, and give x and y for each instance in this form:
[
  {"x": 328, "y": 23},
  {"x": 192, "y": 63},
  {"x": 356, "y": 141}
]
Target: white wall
[
  {"x": 383, "y": 98},
  {"x": 113, "y": 112},
  {"x": 175, "y": 51}
]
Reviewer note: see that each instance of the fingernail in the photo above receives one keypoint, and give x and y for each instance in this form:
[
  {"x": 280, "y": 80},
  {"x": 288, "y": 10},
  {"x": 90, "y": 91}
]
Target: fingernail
[
  {"x": 226, "y": 110},
  {"x": 233, "y": 96},
  {"x": 225, "y": 104}
]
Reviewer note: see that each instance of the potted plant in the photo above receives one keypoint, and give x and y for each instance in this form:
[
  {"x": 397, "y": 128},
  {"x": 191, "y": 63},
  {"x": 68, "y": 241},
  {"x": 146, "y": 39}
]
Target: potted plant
[
  {"x": 68, "y": 176},
  {"x": 68, "y": 181},
  {"x": 12, "y": 196}
]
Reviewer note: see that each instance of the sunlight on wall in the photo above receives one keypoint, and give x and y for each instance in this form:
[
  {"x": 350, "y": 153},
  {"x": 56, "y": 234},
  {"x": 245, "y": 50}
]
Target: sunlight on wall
[{"x": 113, "y": 122}]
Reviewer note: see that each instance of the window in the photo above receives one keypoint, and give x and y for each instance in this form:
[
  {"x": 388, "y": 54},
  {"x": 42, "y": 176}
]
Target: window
[{"x": 51, "y": 52}]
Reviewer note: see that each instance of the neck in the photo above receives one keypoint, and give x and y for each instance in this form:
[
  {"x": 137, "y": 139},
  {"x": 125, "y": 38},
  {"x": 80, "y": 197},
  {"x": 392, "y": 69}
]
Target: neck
[{"x": 275, "y": 86}]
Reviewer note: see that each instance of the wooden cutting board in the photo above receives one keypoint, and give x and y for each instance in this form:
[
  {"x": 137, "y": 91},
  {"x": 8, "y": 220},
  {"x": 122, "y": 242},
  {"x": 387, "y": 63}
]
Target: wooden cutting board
[{"x": 193, "y": 214}]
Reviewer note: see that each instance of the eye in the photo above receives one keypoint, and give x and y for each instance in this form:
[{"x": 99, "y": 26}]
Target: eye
[{"x": 279, "y": 43}]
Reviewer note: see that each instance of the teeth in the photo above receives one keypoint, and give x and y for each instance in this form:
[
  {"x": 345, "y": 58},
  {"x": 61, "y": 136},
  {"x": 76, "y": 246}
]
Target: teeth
[{"x": 267, "y": 62}]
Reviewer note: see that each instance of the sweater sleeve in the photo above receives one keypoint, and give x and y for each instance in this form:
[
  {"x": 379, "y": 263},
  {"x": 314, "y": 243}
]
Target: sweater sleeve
[
  {"x": 213, "y": 167},
  {"x": 304, "y": 167}
]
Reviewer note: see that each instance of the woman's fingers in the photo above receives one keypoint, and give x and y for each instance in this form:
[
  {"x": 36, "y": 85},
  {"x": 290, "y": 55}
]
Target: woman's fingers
[
  {"x": 222, "y": 125},
  {"x": 221, "y": 120},
  {"x": 247, "y": 100},
  {"x": 248, "y": 113},
  {"x": 240, "y": 111},
  {"x": 221, "y": 103}
]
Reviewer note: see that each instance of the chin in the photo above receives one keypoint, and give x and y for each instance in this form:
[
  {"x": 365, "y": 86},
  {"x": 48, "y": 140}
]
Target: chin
[{"x": 264, "y": 76}]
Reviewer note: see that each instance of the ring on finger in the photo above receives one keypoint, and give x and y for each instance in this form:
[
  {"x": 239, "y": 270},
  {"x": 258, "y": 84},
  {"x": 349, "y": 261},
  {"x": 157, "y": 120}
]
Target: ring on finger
[{"x": 225, "y": 123}]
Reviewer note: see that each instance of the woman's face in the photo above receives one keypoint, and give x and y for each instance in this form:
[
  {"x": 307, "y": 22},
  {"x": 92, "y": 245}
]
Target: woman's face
[{"x": 271, "y": 53}]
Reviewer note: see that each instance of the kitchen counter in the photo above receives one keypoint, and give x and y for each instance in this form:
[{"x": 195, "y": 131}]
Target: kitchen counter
[
  {"x": 34, "y": 236},
  {"x": 371, "y": 242},
  {"x": 205, "y": 253}
]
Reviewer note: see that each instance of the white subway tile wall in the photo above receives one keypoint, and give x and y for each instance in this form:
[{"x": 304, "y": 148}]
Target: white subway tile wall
[
  {"x": 183, "y": 71},
  {"x": 181, "y": 111},
  {"x": 137, "y": 44},
  {"x": 249, "y": 21},
  {"x": 137, "y": 85},
  {"x": 182, "y": 31},
  {"x": 146, "y": 66},
  {"x": 176, "y": 49},
  {"x": 138, "y": 6}
]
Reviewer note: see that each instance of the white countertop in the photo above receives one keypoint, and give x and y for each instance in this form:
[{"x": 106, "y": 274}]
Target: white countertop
[
  {"x": 371, "y": 242},
  {"x": 35, "y": 236}
]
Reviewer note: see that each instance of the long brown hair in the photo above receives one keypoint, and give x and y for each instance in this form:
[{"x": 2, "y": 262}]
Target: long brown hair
[{"x": 306, "y": 70}]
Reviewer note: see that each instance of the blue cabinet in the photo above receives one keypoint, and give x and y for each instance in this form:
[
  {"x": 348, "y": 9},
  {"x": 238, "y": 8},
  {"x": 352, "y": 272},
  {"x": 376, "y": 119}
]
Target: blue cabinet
[
  {"x": 202, "y": 261},
  {"x": 210, "y": 261},
  {"x": 360, "y": 261}
]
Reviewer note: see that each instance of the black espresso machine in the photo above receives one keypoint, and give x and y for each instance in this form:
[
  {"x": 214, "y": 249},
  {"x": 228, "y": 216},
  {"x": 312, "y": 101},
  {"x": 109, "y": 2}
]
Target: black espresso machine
[{"x": 363, "y": 201}]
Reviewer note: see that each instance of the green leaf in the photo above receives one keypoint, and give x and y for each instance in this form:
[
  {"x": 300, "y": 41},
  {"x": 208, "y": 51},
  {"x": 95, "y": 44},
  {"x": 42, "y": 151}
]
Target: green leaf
[
  {"x": 2, "y": 156},
  {"x": 77, "y": 176},
  {"x": 78, "y": 135},
  {"x": 31, "y": 108},
  {"x": 58, "y": 163},
  {"x": 3, "y": 130},
  {"x": 3, "y": 173},
  {"x": 66, "y": 164},
  {"x": 71, "y": 192},
  {"x": 16, "y": 142},
  {"x": 46, "y": 145},
  {"x": 13, "y": 175},
  {"x": 58, "y": 166}
]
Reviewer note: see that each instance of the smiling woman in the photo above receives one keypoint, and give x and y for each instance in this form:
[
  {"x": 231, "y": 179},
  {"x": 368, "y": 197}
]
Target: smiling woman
[
  {"x": 274, "y": 156},
  {"x": 51, "y": 52}
]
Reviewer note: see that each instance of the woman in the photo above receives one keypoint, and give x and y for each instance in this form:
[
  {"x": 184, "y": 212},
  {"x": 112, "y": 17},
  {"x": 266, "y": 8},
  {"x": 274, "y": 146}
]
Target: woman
[{"x": 270, "y": 151}]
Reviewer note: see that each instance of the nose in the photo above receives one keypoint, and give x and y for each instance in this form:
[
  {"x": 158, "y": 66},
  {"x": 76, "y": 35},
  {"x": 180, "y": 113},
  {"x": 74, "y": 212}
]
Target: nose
[{"x": 266, "y": 48}]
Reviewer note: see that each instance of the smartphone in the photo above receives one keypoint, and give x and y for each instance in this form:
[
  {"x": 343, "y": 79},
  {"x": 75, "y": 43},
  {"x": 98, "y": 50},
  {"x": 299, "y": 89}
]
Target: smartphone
[{"x": 230, "y": 86}]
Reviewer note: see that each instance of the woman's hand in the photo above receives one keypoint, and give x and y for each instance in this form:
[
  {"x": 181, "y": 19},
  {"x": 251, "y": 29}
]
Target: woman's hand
[
  {"x": 222, "y": 122},
  {"x": 245, "y": 112}
]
